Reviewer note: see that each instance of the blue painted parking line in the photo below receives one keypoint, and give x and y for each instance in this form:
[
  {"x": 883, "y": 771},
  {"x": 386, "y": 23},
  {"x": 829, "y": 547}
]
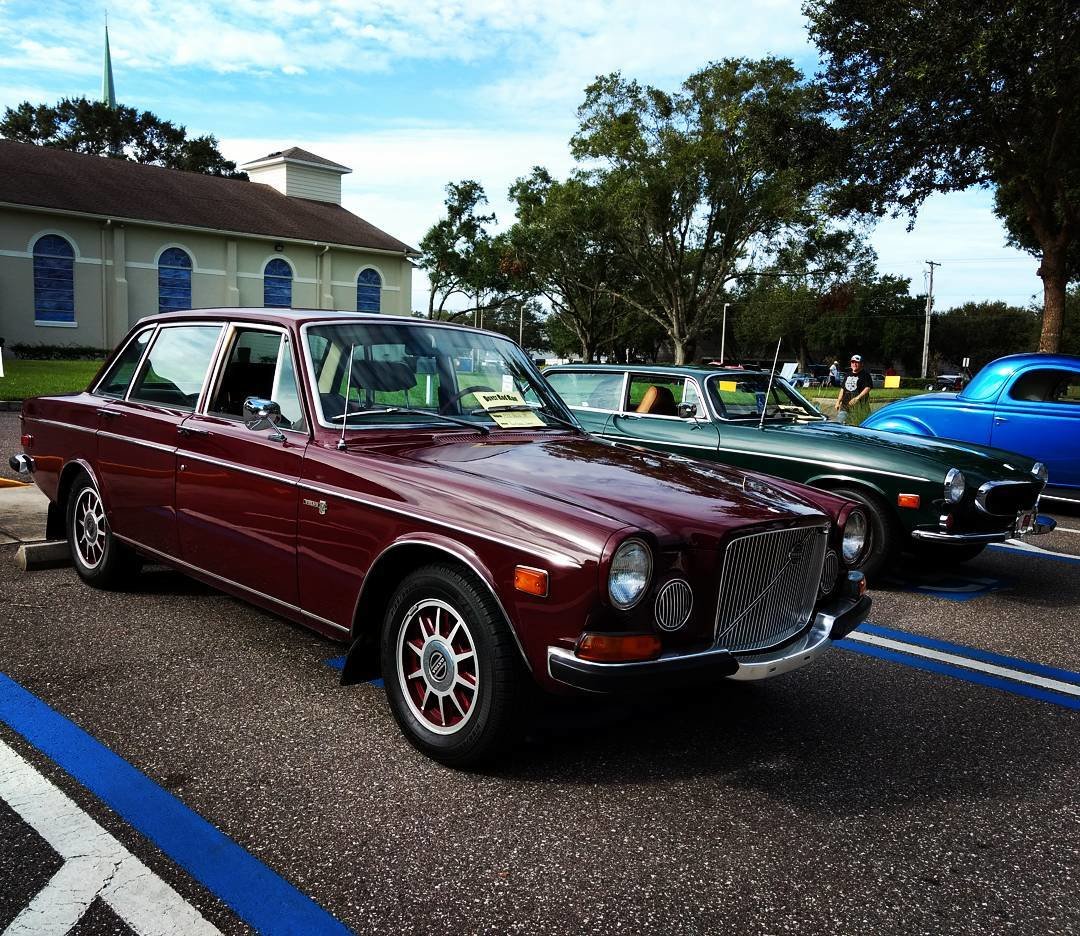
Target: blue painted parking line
[
  {"x": 338, "y": 663},
  {"x": 1035, "y": 553},
  {"x": 974, "y": 653},
  {"x": 959, "y": 672},
  {"x": 260, "y": 897},
  {"x": 951, "y": 587}
]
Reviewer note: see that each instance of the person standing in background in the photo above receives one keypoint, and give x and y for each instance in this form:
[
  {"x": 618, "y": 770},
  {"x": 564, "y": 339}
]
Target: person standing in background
[
  {"x": 834, "y": 374},
  {"x": 854, "y": 397}
]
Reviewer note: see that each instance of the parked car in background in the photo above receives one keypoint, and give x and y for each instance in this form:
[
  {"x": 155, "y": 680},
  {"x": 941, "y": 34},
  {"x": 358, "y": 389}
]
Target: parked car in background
[
  {"x": 878, "y": 377},
  {"x": 942, "y": 500},
  {"x": 383, "y": 481},
  {"x": 1028, "y": 403}
]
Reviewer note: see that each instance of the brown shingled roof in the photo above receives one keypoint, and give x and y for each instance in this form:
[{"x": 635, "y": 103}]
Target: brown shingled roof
[
  {"x": 302, "y": 155},
  {"x": 46, "y": 177}
]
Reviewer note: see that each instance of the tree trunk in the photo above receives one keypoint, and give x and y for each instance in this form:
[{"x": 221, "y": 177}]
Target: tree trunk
[
  {"x": 684, "y": 350},
  {"x": 1054, "y": 277}
]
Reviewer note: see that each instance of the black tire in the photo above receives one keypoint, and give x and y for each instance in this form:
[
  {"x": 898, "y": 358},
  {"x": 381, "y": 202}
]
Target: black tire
[
  {"x": 943, "y": 554},
  {"x": 885, "y": 534},
  {"x": 100, "y": 559},
  {"x": 454, "y": 708}
]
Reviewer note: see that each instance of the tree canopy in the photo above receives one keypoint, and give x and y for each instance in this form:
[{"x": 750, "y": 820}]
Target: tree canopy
[
  {"x": 941, "y": 96},
  {"x": 121, "y": 132}
]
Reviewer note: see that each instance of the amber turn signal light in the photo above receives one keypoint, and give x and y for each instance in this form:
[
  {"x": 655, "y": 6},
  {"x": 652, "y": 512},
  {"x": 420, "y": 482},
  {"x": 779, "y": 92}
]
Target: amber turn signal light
[
  {"x": 908, "y": 500},
  {"x": 618, "y": 648},
  {"x": 531, "y": 581}
]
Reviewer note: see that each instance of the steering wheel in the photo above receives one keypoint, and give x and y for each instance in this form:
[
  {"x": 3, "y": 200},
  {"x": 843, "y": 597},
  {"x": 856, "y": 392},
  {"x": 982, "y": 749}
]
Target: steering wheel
[{"x": 463, "y": 393}]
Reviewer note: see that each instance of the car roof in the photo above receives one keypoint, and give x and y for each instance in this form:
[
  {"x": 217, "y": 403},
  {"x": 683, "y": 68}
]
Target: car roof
[
  {"x": 298, "y": 317},
  {"x": 989, "y": 381},
  {"x": 668, "y": 370}
]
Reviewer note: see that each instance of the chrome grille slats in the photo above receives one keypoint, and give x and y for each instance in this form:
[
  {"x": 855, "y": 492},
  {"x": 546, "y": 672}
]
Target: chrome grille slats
[{"x": 768, "y": 586}]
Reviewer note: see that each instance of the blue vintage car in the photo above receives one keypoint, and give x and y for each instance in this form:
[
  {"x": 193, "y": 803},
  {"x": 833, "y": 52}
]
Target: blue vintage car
[{"x": 1027, "y": 403}]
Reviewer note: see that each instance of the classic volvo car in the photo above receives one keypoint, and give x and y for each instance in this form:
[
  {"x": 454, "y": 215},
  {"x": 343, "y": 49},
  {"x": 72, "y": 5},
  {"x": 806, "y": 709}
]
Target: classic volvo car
[
  {"x": 941, "y": 499},
  {"x": 1027, "y": 403},
  {"x": 418, "y": 490}
]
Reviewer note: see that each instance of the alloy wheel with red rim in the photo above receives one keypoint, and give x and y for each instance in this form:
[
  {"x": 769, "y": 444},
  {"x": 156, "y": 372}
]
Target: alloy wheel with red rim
[{"x": 437, "y": 666}]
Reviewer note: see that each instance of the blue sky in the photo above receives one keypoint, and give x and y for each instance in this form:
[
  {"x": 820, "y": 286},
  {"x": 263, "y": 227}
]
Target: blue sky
[{"x": 414, "y": 95}]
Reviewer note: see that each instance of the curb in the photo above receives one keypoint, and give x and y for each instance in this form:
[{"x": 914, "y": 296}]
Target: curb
[{"x": 50, "y": 554}]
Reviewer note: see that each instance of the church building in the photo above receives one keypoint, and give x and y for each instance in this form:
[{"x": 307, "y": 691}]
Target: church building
[{"x": 90, "y": 244}]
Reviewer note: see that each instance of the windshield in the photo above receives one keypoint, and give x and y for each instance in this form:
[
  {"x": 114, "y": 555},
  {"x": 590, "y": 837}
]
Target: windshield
[
  {"x": 415, "y": 373},
  {"x": 742, "y": 396}
]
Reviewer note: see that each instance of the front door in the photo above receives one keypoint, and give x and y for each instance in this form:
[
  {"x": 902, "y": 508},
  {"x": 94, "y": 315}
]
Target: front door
[
  {"x": 1039, "y": 416},
  {"x": 236, "y": 488},
  {"x": 650, "y": 415}
]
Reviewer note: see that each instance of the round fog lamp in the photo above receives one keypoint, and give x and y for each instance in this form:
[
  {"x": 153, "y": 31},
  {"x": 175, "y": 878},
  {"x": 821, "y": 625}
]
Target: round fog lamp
[
  {"x": 954, "y": 485},
  {"x": 631, "y": 569},
  {"x": 855, "y": 531}
]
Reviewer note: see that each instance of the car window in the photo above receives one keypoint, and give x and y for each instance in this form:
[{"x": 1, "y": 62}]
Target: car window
[
  {"x": 118, "y": 379},
  {"x": 1046, "y": 385},
  {"x": 259, "y": 364},
  {"x": 176, "y": 365},
  {"x": 742, "y": 396},
  {"x": 655, "y": 395},
  {"x": 588, "y": 390}
]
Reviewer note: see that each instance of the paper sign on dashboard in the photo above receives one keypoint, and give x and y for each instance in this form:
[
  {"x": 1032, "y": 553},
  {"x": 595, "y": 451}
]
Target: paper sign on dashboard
[{"x": 512, "y": 419}]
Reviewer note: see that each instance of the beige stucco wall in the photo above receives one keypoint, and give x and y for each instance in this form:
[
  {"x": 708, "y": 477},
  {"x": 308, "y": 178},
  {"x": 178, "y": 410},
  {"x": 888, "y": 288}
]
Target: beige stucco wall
[{"x": 116, "y": 274}]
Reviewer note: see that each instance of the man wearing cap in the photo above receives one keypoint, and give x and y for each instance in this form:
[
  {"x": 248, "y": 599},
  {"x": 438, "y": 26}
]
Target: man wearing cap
[{"x": 854, "y": 391}]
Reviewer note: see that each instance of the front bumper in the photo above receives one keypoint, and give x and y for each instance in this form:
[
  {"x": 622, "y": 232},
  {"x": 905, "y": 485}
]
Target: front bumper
[
  {"x": 1043, "y": 524},
  {"x": 832, "y": 622}
]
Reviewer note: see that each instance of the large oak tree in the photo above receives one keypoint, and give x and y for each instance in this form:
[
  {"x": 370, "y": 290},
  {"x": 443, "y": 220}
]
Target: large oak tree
[{"x": 942, "y": 95}]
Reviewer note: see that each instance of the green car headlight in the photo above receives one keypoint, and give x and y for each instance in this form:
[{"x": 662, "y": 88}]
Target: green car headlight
[
  {"x": 856, "y": 531},
  {"x": 954, "y": 485},
  {"x": 631, "y": 570}
]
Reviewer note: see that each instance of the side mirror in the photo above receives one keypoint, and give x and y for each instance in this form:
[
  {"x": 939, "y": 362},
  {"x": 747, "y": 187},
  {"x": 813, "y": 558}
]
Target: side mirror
[
  {"x": 687, "y": 410},
  {"x": 262, "y": 414}
]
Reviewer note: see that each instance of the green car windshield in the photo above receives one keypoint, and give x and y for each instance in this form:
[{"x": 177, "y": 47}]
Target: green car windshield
[
  {"x": 406, "y": 373},
  {"x": 742, "y": 396}
]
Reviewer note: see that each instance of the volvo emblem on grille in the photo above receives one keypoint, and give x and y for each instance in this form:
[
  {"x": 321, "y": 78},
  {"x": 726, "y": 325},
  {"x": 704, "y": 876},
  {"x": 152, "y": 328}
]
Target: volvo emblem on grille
[
  {"x": 438, "y": 667},
  {"x": 796, "y": 551}
]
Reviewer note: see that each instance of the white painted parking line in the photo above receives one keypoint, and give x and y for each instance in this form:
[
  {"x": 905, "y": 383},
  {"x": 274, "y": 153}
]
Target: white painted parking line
[
  {"x": 95, "y": 865},
  {"x": 1015, "y": 545},
  {"x": 1055, "y": 685}
]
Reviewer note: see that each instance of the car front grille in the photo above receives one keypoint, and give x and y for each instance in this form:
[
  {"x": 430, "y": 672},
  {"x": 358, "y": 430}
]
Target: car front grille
[
  {"x": 768, "y": 586},
  {"x": 1006, "y": 498}
]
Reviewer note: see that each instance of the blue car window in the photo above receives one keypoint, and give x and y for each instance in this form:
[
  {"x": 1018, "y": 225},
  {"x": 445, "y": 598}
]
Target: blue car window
[{"x": 1044, "y": 385}]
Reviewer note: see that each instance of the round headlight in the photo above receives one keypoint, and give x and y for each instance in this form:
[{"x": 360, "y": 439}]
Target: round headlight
[
  {"x": 954, "y": 485},
  {"x": 1040, "y": 472},
  {"x": 631, "y": 569},
  {"x": 855, "y": 532}
]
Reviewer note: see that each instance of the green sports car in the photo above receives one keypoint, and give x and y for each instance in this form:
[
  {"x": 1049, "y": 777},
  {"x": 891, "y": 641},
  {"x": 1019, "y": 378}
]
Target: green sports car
[{"x": 942, "y": 500}]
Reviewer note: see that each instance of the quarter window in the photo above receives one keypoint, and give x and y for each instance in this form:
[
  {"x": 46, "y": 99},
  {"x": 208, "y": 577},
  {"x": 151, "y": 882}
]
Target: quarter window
[
  {"x": 119, "y": 377},
  {"x": 175, "y": 369},
  {"x": 277, "y": 284},
  {"x": 54, "y": 280},
  {"x": 368, "y": 291},
  {"x": 174, "y": 280}
]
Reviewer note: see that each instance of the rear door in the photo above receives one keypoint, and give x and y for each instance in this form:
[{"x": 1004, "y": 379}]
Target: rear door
[
  {"x": 1038, "y": 415},
  {"x": 236, "y": 488},
  {"x": 138, "y": 430}
]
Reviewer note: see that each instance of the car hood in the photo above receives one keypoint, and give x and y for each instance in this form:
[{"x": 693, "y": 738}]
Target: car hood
[
  {"x": 923, "y": 456},
  {"x": 670, "y": 496}
]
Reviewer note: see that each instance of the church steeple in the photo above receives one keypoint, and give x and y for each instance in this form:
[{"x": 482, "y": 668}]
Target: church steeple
[{"x": 108, "y": 91}]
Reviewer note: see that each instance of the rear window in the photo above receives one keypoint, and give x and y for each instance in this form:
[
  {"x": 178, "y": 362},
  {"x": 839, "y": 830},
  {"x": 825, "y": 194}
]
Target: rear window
[{"x": 118, "y": 379}]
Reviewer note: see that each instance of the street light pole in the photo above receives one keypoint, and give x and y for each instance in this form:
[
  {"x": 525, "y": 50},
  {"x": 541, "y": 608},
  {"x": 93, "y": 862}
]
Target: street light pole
[
  {"x": 723, "y": 332},
  {"x": 929, "y": 309}
]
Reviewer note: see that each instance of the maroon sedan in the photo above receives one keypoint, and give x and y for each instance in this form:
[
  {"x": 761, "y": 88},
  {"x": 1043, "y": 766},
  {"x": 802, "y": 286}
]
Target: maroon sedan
[{"x": 416, "y": 489}]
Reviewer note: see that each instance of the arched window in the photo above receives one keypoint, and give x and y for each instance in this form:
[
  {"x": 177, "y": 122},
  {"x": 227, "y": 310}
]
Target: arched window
[
  {"x": 174, "y": 280},
  {"x": 368, "y": 291},
  {"x": 277, "y": 284},
  {"x": 54, "y": 280}
]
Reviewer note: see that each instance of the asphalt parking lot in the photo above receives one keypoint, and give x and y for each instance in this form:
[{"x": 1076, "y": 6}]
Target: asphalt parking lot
[{"x": 886, "y": 789}]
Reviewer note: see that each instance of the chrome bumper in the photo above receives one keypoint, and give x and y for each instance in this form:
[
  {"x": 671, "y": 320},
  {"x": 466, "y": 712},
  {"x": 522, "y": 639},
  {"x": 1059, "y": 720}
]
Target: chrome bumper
[
  {"x": 1042, "y": 525},
  {"x": 674, "y": 670},
  {"x": 22, "y": 464}
]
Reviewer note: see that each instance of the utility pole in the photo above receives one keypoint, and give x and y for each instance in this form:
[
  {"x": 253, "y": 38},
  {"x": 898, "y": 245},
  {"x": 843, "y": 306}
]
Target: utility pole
[
  {"x": 929, "y": 309},
  {"x": 723, "y": 332}
]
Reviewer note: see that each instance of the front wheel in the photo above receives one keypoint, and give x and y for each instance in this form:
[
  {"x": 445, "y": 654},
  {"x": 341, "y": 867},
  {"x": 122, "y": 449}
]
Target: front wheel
[
  {"x": 884, "y": 535},
  {"x": 99, "y": 558},
  {"x": 451, "y": 669}
]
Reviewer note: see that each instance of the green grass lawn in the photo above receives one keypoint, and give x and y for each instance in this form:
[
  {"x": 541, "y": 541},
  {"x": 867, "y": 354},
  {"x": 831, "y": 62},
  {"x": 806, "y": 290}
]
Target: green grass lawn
[
  {"x": 876, "y": 396},
  {"x": 24, "y": 379}
]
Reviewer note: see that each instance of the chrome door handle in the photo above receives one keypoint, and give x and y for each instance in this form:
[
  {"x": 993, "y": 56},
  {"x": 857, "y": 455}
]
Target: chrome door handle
[
  {"x": 110, "y": 413},
  {"x": 1000, "y": 419},
  {"x": 188, "y": 431}
]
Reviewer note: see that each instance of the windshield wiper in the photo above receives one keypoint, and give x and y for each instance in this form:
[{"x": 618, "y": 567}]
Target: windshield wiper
[
  {"x": 525, "y": 408},
  {"x": 483, "y": 430}
]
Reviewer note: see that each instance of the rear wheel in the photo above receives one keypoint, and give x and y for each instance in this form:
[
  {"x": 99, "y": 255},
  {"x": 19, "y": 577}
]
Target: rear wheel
[
  {"x": 99, "y": 558},
  {"x": 884, "y": 538},
  {"x": 451, "y": 669}
]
